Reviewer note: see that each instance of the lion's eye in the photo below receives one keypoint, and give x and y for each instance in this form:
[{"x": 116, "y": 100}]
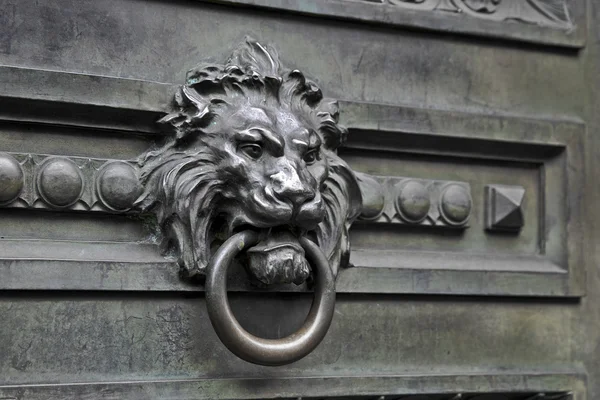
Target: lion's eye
[
  {"x": 311, "y": 156},
  {"x": 254, "y": 151}
]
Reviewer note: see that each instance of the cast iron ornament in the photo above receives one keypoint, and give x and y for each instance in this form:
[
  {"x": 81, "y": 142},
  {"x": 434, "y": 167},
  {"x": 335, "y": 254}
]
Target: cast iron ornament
[{"x": 251, "y": 168}]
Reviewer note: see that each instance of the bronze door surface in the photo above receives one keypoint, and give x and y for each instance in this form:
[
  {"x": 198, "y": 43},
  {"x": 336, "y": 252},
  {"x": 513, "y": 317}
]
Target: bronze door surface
[{"x": 317, "y": 199}]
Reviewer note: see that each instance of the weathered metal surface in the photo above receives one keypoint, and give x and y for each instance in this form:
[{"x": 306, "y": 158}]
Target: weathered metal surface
[
  {"x": 586, "y": 337},
  {"x": 96, "y": 337},
  {"x": 465, "y": 109},
  {"x": 375, "y": 64},
  {"x": 364, "y": 388}
]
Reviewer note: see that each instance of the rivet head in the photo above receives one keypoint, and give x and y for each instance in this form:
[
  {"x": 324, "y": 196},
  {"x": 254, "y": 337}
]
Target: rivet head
[
  {"x": 118, "y": 185},
  {"x": 11, "y": 178},
  {"x": 455, "y": 204},
  {"x": 60, "y": 182},
  {"x": 373, "y": 197},
  {"x": 413, "y": 201}
]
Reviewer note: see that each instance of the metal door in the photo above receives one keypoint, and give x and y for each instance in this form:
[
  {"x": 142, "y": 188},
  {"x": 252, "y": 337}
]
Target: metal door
[{"x": 251, "y": 199}]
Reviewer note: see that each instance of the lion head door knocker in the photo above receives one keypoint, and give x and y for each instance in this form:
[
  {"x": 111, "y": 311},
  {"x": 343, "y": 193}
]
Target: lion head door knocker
[{"x": 251, "y": 171}]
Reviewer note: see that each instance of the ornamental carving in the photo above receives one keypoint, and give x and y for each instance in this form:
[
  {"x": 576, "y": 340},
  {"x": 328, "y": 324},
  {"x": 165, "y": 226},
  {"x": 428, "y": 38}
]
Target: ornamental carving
[
  {"x": 410, "y": 201},
  {"x": 250, "y": 173},
  {"x": 553, "y": 13},
  {"x": 253, "y": 148},
  {"x": 67, "y": 183}
]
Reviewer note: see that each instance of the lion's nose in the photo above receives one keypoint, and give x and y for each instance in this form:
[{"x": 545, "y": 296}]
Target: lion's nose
[{"x": 287, "y": 185}]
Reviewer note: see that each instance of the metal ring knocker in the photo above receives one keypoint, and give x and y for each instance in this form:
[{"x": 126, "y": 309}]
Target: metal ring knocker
[{"x": 259, "y": 350}]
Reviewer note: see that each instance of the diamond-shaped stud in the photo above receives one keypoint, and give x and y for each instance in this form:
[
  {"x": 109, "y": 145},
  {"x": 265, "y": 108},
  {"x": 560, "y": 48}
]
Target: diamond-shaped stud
[{"x": 504, "y": 208}]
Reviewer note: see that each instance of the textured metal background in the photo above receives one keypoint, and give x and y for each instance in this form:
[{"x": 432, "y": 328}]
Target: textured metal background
[{"x": 443, "y": 105}]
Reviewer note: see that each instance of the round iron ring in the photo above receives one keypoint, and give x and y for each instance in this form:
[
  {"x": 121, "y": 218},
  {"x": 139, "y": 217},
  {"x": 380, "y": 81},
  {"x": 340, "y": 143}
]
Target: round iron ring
[{"x": 259, "y": 350}]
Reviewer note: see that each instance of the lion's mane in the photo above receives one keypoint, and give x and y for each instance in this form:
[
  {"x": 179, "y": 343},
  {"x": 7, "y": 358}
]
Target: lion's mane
[{"x": 181, "y": 184}]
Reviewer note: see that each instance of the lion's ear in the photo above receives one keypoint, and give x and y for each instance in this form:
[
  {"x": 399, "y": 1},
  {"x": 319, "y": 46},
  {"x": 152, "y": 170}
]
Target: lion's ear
[{"x": 253, "y": 57}]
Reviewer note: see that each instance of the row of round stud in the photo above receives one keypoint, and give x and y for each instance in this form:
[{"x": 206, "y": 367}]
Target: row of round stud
[
  {"x": 413, "y": 201},
  {"x": 61, "y": 184}
]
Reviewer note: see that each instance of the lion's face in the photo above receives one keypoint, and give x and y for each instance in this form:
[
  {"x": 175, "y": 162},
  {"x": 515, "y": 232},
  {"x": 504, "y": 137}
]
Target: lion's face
[
  {"x": 275, "y": 165},
  {"x": 254, "y": 148},
  {"x": 275, "y": 169}
]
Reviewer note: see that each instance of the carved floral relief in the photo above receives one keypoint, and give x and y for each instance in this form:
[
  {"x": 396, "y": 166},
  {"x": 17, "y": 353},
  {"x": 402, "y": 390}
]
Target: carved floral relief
[{"x": 553, "y": 13}]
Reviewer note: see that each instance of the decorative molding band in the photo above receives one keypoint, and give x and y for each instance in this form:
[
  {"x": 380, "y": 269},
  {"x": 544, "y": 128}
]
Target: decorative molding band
[
  {"x": 412, "y": 201},
  {"x": 548, "y": 22},
  {"x": 85, "y": 184},
  {"x": 551, "y": 13},
  {"x": 67, "y": 183},
  {"x": 546, "y": 150},
  {"x": 443, "y": 387}
]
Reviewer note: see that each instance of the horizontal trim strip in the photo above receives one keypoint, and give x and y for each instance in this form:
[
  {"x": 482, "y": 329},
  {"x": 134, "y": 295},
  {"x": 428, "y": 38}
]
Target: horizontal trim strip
[
  {"x": 462, "y": 261},
  {"x": 82, "y": 100},
  {"x": 163, "y": 276},
  {"x": 273, "y": 387}
]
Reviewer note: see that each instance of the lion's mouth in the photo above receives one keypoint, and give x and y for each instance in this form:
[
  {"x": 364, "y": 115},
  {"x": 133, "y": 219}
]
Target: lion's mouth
[{"x": 278, "y": 257}]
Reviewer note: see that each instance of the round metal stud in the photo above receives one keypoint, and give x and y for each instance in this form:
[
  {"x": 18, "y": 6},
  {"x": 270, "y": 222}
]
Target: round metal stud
[
  {"x": 60, "y": 182},
  {"x": 413, "y": 201},
  {"x": 373, "y": 197},
  {"x": 118, "y": 185},
  {"x": 11, "y": 178},
  {"x": 455, "y": 204}
]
